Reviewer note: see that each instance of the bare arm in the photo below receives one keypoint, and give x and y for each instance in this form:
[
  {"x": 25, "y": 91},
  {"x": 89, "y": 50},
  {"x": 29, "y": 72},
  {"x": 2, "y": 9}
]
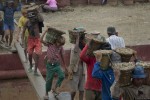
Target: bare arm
[
  {"x": 18, "y": 33},
  {"x": 63, "y": 59},
  {"x": 42, "y": 38},
  {"x": 18, "y": 8},
  {"x": 24, "y": 29},
  {"x": 76, "y": 48},
  {"x": 115, "y": 89}
]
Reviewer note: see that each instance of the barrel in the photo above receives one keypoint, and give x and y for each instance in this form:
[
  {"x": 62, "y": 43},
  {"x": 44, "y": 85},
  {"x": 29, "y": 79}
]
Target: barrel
[
  {"x": 63, "y": 3},
  {"x": 96, "y": 2},
  {"x": 112, "y": 2},
  {"x": 78, "y": 2},
  {"x": 128, "y": 2}
]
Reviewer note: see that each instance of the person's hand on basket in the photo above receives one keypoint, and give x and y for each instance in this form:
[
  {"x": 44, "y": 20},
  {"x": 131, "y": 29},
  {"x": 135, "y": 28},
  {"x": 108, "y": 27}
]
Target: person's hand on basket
[
  {"x": 98, "y": 56},
  {"x": 76, "y": 48},
  {"x": 135, "y": 57},
  {"x": 117, "y": 74},
  {"x": 70, "y": 73}
]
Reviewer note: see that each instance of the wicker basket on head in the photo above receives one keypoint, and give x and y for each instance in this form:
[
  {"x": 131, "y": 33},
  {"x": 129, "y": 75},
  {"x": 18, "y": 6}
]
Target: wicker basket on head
[
  {"x": 146, "y": 66},
  {"x": 125, "y": 72},
  {"x": 72, "y": 34},
  {"x": 125, "y": 53},
  {"x": 95, "y": 43},
  {"x": 32, "y": 14},
  {"x": 91, "y": 35},
  {"x": 53, "y": 34},
  {"x": 105, "y": 57}
]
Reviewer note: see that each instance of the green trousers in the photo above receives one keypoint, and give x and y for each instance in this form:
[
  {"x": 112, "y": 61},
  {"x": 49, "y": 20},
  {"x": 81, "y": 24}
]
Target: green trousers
[{"x": 51, "y": 70}]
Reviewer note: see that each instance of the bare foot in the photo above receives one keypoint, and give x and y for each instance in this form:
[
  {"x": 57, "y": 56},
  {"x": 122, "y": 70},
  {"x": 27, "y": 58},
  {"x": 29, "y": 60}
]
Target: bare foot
[{"x": 46, "y": 97}]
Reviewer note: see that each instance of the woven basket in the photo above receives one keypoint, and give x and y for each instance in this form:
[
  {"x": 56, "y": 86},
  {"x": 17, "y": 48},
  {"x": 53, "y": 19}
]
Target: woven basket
[
  {"x": 72, "y": 36},
  {"x": 125, "y": 53},
  {"x": 126, "y": 72},
  {"x": 105, "y": 61},
  {"x": 125, "y": 58},
  {"x": 146, "y": 66},
  {"x": 53, "y": 34},
  {"x": 89, "y": 36},
  {"x": 94, "y": 44}
]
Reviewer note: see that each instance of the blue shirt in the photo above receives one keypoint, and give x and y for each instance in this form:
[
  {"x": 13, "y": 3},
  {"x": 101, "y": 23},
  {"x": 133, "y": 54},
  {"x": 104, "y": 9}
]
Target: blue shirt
[
  {"x": 9, "y": 13},
  {"x": 107, "y": 77}
]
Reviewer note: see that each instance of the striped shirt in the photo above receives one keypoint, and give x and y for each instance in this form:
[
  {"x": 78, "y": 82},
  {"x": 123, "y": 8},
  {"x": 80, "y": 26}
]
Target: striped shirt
[
  {"x": 116, "y": 42},
  {"x": 53, "y": 53}
]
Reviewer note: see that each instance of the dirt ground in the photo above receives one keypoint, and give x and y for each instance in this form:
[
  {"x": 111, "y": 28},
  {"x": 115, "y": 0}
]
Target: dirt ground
[{"x": 132, "y": 23}]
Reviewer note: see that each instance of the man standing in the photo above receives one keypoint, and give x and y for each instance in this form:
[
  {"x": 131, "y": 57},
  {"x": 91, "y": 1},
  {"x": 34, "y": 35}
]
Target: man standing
[
  {"x": 34, "y": 44},
  {"x": 116, "y": 42},
  {"x": 9, "y": 10},
  {"x": 76, "y": 68}
]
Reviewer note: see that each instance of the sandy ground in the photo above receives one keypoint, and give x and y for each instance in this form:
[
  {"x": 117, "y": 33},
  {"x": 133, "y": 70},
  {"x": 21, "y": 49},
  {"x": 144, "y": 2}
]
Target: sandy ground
[{"x": 132, "y": 23}]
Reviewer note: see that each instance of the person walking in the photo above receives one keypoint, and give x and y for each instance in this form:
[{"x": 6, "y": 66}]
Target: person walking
[
  {"x": 55, "y": 53},
  {"x": 76, "y": 68},
  {"x": 9, "y": 9}
]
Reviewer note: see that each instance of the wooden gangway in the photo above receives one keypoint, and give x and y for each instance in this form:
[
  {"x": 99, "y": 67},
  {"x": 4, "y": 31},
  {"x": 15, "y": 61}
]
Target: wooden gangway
[{"x": 37, "y": 82}]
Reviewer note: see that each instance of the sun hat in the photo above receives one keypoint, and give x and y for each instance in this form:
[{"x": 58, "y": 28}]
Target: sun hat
[{"x": 138, "y": 72}]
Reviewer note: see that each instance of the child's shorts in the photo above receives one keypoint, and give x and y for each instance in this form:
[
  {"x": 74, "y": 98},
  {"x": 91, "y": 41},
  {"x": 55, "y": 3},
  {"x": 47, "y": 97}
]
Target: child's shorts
[
  {"x": 34, "y": 45},
  {"x": 9, "y": 27}
]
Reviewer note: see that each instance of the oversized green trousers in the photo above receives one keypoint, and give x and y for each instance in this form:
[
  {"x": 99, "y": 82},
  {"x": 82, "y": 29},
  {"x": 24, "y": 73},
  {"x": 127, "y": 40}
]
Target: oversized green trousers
[{"x": 51, "y": 71}]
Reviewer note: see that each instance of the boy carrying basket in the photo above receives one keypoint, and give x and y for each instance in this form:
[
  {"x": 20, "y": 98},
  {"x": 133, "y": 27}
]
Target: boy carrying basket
[{"x": 55, "y": 52}]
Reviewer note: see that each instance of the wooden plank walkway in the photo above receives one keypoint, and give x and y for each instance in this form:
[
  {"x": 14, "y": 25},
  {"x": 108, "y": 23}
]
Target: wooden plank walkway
[{"x": 37, "y": 82}]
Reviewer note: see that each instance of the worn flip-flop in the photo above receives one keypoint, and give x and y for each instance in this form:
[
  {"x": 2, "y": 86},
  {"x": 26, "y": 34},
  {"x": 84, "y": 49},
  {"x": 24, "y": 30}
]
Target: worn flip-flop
[{"x": 46, "y": 98}]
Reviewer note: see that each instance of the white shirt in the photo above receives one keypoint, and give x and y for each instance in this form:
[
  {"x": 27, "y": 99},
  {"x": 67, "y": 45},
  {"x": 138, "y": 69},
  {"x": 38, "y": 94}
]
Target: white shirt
[{"x": 116, "y": 42}]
